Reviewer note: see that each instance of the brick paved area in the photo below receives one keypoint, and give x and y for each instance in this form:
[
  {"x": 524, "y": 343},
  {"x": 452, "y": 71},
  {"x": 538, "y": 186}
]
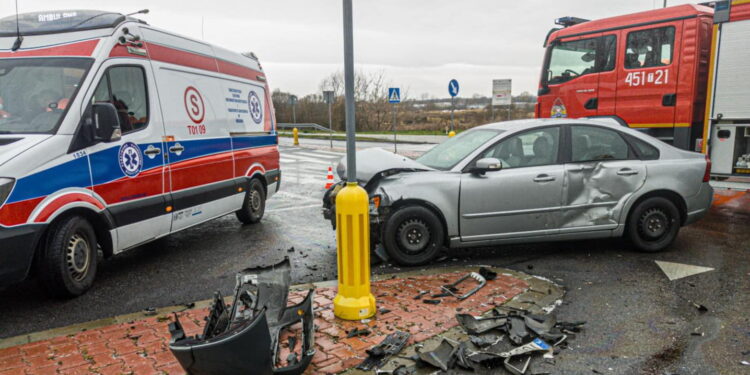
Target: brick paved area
[{"x": 140, "y": 347}]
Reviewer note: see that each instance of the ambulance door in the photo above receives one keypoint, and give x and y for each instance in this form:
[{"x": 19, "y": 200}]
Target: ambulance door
[
  {"x": 201, "y": 165},
  {"x": 571, "y": 78},
  {"x": 647, "y": 75},
  {"x": 129, "y": 174}
]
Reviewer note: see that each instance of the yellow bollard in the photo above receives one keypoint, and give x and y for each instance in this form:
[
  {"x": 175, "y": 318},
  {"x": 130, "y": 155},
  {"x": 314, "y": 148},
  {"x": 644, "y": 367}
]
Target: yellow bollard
[
  {"x": 295, "y": 134},
  {"x": 354, "y": 300},
  {"x": 451, "y": 134}
]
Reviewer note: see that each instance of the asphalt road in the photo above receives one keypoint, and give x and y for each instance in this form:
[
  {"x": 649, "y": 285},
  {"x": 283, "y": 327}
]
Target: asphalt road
[{"x": 639, "y": 322}]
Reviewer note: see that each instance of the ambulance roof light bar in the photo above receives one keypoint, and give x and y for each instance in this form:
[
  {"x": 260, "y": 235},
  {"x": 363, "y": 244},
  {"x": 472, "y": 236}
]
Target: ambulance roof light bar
[{"x": 569, "y": 21}]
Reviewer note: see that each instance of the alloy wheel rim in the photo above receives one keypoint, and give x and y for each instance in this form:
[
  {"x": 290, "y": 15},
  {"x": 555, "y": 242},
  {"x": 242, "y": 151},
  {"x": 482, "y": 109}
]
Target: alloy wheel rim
[{"x": 77, "y": 257}]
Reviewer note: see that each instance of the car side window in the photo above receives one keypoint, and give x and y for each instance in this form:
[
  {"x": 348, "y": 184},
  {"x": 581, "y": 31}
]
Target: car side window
[
  {"x": 125, "y": 88},
  {"x": 645, "y": 151},
  {"x": 594, "y": 144},
  {"x": 528, "y": 149}
]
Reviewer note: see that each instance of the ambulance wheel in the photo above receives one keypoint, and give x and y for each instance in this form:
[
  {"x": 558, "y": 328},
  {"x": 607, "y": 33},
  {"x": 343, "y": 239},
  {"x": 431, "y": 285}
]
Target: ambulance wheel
[
  {"x": 255, "y": 203},
  {"x": 67, "y": 265}
]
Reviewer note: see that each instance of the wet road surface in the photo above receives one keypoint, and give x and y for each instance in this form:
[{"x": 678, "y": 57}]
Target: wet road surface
[{"x": 639, "y": 322}]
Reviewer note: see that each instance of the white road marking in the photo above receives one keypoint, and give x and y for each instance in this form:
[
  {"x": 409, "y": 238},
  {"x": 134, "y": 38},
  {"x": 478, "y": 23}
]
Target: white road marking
[
  {"x": 319, "y": 205},
  {"x": 676, "y": 271},
  {"x": 303, "y": 159},
  {"x": 315, "y": 155}
]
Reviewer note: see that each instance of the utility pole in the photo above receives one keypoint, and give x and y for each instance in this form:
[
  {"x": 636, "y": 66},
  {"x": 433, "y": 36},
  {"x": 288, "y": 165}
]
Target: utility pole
[
  {"x": 293, "y": 102},
  {"x": 328, "y": 96}
]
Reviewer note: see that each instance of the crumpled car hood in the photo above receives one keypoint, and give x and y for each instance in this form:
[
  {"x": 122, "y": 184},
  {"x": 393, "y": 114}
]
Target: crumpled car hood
[{"x": 373, "y": 161}]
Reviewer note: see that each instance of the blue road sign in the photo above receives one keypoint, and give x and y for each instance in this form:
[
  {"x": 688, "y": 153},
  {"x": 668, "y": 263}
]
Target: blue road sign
[
  {"x": 394, "y": 95},
  {"x": 453, "y": 88}
]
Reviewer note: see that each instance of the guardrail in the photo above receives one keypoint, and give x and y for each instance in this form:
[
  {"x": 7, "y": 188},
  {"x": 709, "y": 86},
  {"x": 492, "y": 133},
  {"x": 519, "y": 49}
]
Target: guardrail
[{"x": 302, "y": 126}]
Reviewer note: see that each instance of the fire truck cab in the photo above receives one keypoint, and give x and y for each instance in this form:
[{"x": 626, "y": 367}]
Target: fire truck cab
[{"x": 646, "y": 70}]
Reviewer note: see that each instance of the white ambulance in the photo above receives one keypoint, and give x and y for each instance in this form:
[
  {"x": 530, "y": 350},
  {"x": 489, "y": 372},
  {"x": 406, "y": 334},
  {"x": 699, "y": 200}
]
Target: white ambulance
[{"x": 114, "y": 133}]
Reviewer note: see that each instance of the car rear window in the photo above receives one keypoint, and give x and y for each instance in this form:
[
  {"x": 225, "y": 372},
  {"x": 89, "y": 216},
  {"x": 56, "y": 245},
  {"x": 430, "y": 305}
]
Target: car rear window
[{"x": 645, "y": 151}]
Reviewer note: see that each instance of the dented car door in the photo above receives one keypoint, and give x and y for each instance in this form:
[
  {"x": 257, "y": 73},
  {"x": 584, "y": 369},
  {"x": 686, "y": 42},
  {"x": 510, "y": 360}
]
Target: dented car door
[{"x": 603, "y": 173}]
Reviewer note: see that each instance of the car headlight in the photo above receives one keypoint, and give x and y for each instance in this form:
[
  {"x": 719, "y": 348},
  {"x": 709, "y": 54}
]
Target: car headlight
[
  {"x": 374, "y": 204},
  {"x": 6, "y": 185}
]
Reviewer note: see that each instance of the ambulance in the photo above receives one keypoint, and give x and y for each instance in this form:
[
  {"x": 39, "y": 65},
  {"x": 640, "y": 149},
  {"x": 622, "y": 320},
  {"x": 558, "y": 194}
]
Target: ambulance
[
  {"x": 114, "y": 133},
  {"x": 677, "y": 73}
]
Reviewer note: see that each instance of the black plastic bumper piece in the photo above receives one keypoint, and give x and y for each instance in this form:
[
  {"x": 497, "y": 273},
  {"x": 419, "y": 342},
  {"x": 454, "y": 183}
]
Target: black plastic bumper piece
[
  {"x": 17, "y": 246},
  {"x": 244, "y": 340}
]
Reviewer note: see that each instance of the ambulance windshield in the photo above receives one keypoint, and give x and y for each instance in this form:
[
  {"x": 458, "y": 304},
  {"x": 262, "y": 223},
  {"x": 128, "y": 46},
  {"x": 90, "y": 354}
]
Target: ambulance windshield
[{"x": 35, "y": 92}]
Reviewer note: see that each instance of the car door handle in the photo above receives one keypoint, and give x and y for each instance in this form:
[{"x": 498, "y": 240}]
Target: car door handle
[
  {"x": 176, "y": 149},
  {"x": 152, "y": 151},
  {"x": 544, "y": 178},
  {"x": 627, "y": 172}
]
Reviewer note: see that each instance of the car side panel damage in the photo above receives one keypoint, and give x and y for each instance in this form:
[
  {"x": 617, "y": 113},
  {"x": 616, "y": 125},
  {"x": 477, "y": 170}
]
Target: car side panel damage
[{"x": 244, "y": 338}]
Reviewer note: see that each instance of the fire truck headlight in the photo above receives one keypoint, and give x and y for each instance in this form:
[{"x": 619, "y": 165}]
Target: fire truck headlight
[{"x": 6, "y": 185}]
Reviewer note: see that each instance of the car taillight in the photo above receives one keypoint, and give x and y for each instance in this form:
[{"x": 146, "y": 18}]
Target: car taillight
[{"x": 707, "y": 173}]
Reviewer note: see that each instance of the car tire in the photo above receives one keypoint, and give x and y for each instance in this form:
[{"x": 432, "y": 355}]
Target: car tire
[
  {"x": 68, "y": 262},
  {"x": 413, "y": 236},
  {"x": 254, "y": 205},
  {"x": 653, "y": 224}
]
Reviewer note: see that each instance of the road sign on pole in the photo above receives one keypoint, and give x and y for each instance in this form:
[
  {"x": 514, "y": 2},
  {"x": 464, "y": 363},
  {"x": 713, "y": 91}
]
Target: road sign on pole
[
  {"x": 394, "y": 95},
  {"x": 501, "y": 95},
  {"x": 453, "y": 91}
]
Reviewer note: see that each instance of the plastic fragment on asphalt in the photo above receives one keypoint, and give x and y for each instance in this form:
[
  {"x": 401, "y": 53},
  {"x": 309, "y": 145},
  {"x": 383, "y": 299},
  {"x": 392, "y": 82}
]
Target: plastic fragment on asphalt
[
  {"x": 675, "y": 271},
  {"x": 441, "y": 357},
  {"x": 478, "y": 325}
]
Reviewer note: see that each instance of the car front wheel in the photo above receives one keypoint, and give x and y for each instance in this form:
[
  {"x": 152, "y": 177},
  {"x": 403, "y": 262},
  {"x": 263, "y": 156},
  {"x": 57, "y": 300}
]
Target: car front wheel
[
  {"x": 413, "y": 236},
  {"x": 654, "y": 224}
]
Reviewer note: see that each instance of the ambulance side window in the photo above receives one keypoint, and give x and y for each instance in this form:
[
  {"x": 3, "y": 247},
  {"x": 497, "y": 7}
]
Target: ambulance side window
[
  {"x": 649, "y": 48},
  {"x": 125, "y": 88}
]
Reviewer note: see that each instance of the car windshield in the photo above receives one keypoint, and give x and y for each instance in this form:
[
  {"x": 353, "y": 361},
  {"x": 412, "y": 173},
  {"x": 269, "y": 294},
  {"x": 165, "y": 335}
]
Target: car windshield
[
  {"x": 449, "y": 153},
  {"x": 35, "y": 92}
]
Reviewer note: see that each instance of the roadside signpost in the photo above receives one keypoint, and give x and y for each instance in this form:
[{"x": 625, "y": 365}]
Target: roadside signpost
[
  {"x": 328, "y": 97},
  {"x": 293, "y": 103},
  {"x": 453, "y": 91},
  {"x": 394, "y": 97},
  {"x": 501, "y": 95}
]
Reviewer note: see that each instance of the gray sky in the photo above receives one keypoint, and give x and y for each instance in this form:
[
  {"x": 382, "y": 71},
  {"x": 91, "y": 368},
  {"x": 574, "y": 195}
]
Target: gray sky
[{"x": 418, "y": 44}]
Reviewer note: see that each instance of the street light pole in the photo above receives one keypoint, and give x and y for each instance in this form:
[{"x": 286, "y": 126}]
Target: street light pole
[
  {"x": 330, "y": 123},
  {"x": 354, "y": 300}
]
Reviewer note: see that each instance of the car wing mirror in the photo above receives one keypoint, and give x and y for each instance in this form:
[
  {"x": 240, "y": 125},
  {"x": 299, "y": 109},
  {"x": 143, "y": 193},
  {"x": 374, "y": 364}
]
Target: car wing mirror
[
  {"x": 486, "y": 165},
  {"x": 106, "y": 122}
]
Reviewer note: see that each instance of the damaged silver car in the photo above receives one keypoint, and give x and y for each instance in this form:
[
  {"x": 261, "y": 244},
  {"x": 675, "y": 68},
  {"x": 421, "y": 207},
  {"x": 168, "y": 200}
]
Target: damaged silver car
[{"x": 530, "y": 181}]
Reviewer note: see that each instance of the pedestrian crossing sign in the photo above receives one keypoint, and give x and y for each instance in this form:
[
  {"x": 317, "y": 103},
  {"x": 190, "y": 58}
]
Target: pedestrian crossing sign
[{"x": 394, "y": 95}]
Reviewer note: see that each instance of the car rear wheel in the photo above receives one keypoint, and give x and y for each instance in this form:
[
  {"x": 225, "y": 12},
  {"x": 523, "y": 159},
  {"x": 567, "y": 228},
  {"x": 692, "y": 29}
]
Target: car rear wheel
[
  {"x": 255, "y": 203},
  {"x": 67, "y": 265},
  {"x": 653, "y": 224},
  {"x": 413, "y": 236}
]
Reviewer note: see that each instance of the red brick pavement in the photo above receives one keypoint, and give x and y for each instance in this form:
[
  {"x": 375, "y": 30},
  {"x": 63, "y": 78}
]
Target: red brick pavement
[{"x": 140, "y": 347}]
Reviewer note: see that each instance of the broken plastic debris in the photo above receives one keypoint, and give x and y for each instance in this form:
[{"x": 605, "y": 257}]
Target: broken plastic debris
[
  {"x": 442, "y": 357},
  {"x": 452, "y": 288},
  {"x": 378, "y": 354}
]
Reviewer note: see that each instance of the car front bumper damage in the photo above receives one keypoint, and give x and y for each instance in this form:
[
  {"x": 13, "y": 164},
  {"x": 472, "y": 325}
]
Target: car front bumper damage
[{"x": 244, "y": 338}]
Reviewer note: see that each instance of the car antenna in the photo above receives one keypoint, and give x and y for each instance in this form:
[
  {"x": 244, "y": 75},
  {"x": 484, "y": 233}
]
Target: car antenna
[
  {"x": 142, "y": 11},
  {"x": 19, "y": 38}
]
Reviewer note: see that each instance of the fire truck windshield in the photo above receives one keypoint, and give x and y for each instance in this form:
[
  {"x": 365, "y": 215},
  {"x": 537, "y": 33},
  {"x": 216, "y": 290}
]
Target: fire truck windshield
[
  {"x": 35, "y": 92},
  {"x": 568, "y": 60}
]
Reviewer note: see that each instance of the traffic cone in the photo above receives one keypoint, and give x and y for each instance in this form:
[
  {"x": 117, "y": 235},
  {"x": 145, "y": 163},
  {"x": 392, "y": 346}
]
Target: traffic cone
[{"x": 329, "y": 178}]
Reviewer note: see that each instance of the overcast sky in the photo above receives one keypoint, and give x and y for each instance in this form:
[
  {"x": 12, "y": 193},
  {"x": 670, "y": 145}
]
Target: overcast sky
[{"x": 418, "y": 44}]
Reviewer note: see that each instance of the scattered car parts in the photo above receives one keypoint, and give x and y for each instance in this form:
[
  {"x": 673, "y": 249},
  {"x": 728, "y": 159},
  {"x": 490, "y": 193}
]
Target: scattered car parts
[
  {"x": 245, "y": 339},
  {"x": 443, "y": 357},
  {"x": 452, "y": 288},
  {"x": 378, "y": 355}
]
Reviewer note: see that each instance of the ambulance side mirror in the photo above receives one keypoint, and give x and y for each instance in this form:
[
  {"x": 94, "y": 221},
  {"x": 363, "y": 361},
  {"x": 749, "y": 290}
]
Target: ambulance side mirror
[{"x": 106, "y": 122}]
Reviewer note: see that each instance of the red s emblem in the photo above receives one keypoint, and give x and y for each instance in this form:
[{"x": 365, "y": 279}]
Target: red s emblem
[{"x": 194, "y": 105}]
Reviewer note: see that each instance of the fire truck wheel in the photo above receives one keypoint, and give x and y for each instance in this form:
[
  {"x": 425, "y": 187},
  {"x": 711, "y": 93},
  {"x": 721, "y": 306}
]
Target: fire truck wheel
[
  {"x": 653, "y": 224},
  {"x": 67, "y": 264},
  {"x": 255, "y": 203}
]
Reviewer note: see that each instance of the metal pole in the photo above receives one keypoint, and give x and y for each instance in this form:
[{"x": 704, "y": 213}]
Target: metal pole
[
  {"x": 452, "y": 106},
  {"x": 492, "y": 112},
  {"x": 351, "y": 162},
  {"x": 395, "y": 148},
  {"x": 510, "y": 112},
  {"x": 330, "y": 123},
  {"x": 294, "y": 113},
  {"x": 665, "y": 3}
]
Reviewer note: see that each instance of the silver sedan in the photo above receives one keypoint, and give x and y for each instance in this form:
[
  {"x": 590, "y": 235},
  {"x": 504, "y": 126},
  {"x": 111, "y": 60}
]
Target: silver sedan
[{"x": 531, "y": 181}]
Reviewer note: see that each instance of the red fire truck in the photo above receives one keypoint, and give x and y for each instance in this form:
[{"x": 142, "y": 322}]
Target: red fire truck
[{"x": 680, "y": 74}]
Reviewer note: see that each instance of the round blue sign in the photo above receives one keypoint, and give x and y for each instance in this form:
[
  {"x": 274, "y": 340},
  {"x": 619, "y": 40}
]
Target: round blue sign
[
  {"x": 256, "y": 107},
  {"x": 453, "y": 88},
  {"x": 131, "y": 159}
]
